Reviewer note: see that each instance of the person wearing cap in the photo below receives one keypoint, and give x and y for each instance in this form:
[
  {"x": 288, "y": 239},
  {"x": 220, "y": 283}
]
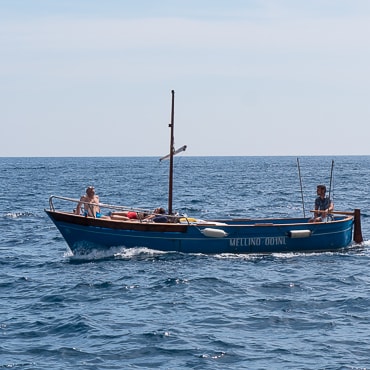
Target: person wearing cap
[{"x": 87, "y": 203}]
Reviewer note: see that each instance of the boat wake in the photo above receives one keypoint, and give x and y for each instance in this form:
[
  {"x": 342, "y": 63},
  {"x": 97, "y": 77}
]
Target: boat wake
[
  {"x": 17, "y": 214},
  {"x": 355, "y": 248},
  {"x": 143, "y": 253},
  {"x": 366, "y": 243},
  {"x": 138, "y": 252},
  {"x": 113, "y": 252}
]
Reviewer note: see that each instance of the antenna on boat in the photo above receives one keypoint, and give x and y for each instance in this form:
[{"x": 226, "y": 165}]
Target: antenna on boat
[
  {"x": 331, "y": 178},
  {"x": 300, "y": 180}
]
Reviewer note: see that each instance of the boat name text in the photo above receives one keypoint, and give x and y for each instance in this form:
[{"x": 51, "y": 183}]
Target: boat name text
[{"x": 256, "y": 242}]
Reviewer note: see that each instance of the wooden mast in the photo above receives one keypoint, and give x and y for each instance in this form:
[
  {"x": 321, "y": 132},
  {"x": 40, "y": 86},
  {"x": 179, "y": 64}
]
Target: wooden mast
[{"x": 170, "y": 181}]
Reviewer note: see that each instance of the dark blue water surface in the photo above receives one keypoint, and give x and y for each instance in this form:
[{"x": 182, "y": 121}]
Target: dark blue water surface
[{"x": 140, "y": 309}]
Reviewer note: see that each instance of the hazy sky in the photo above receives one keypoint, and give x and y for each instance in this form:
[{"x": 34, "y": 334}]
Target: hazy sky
[{"x": 251, "y": 77}]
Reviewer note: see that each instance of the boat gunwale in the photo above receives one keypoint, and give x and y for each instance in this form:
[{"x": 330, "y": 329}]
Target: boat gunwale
[{"x": 138, "y": 225}]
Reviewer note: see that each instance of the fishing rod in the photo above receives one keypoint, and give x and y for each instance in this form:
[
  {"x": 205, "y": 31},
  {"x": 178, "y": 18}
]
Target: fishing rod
[
  {"x": 331, "y": 178},
  {"x": 300, "y": 180}
]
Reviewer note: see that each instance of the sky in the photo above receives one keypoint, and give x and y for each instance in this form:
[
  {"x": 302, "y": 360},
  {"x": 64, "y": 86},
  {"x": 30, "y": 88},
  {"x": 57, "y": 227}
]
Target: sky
[{"x": 251, "y": 77}]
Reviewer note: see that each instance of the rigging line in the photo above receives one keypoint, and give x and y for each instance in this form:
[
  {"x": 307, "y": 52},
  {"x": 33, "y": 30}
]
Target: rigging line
[
  {"x": 331, "y": 179},
  {"x": 300, "y": 180}
]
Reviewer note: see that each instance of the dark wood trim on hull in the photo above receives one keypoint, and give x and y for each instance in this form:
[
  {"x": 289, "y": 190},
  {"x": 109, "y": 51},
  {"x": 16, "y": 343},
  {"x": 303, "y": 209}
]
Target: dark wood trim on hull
[{"x": 115, "y": 224}]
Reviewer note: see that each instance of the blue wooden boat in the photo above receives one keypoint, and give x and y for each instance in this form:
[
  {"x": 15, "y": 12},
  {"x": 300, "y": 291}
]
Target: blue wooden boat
[
  {"x": 269, "y": 235},
  {"x": 182, "y": 234}
]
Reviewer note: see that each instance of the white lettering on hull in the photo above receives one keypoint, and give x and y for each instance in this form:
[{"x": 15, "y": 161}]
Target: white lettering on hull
[{"x": 257, "y": 242}]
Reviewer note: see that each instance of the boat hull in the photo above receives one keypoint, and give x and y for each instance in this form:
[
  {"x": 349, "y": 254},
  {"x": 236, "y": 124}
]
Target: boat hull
[{"x": 84, "y": 234}]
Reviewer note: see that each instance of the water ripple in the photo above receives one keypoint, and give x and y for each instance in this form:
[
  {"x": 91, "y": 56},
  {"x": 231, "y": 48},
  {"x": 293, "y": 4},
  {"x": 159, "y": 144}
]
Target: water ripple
[{"x": 138, "y": 308}]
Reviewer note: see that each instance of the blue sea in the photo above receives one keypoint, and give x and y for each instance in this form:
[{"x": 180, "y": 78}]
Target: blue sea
[{"x": 142, "y": 309}]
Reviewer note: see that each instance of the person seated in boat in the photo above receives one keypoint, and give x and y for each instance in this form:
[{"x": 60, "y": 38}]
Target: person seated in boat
[
  {"x": 323, "y": 206},
  {"x": 159, "y": 215},
  {"x": 128, "y": 215},
  {"x": 89, "y": 204}
]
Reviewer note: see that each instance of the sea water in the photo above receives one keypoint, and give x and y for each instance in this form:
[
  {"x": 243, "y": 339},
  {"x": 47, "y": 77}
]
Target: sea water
[{"x": 142, "y": 309}]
